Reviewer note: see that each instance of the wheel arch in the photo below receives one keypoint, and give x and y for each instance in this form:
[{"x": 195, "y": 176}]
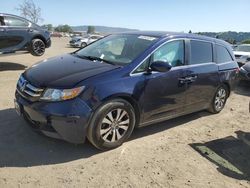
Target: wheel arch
[
  {"x": 131, "y": 100},
  {"x": 39, "y": 37},
  {"x": 228, "y": 87}
]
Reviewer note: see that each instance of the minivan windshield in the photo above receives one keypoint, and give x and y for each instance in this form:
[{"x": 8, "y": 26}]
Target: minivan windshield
[
  {"x": 243, "y": 48},
  {"x": 119, "y": 49}
]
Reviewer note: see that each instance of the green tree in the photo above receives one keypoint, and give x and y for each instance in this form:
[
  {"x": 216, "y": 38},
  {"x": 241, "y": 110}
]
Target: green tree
[
  {"x": 231, "y": 41},
  {"x": 91, "y": 29},
  {"x": 49, "y": 27},
  {"x": 247, "y": 41},
  {"x": 63, "y": 28},
  {"x": 190, "y": 31}
]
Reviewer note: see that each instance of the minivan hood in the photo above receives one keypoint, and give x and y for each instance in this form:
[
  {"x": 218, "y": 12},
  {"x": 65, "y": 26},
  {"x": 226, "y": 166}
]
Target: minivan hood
[{"x": 64, "y": 71}]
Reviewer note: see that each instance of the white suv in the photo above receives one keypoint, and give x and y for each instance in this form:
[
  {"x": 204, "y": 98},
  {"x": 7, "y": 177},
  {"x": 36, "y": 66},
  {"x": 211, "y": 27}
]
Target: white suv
[
  {"x": 84, "y": 41},
  {"x": 242, "y": 54}
]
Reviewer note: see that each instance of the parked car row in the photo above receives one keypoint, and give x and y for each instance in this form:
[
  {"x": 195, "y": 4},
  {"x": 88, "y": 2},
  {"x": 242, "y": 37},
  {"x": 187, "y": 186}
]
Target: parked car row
[
  {"x": 80, "y": 41},
  {"x": 19, "y": 34}
]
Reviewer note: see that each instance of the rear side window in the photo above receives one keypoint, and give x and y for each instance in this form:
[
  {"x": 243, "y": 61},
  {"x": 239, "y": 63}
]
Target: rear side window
[
  {"x": 14, "y": 22},
  {"x": 201, "y": 52},
  {"x": 222, "y": 54}
]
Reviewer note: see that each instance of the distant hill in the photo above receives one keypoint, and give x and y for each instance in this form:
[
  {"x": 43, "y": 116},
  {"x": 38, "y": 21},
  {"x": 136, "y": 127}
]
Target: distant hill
[
  {"x": 229, "y": 36},
  {"x": 102, "y": 29}
]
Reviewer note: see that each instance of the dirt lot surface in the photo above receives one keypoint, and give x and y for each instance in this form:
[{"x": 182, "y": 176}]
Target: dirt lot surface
[{"x": 197, "y": 150}]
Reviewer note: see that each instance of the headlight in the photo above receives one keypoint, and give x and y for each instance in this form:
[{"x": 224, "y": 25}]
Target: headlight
[{"x": 61, "y": 94}]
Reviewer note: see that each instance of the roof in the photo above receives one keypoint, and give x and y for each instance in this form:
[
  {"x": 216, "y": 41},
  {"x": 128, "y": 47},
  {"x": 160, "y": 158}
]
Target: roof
[
  {"x": 162, "y": 34},
  {"x": 154, "y": 33},
  {"x": 5, "y": 14},
  {"x": 12, "y": 15}
]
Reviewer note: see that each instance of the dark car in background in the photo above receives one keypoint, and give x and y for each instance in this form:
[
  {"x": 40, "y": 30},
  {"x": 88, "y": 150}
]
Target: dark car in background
[
  {"x": 245, "y": 72},
  {"x": 242, "y": 54},
  {"x": 123, "y": 81},
  {"x": 19, "y": 34}
]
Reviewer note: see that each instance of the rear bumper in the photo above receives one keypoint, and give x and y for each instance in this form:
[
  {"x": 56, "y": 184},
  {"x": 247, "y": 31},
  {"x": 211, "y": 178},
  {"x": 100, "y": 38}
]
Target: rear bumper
[{"x": 67, "y": 120}]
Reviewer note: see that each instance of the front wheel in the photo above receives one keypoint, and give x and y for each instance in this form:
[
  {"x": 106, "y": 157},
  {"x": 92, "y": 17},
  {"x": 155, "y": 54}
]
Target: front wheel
[
  {"x": 37, "y": 47},
  {"x": 219, "y": 99},
  {"x": 112, "y": 124},
  {"x": 84, "y": 44}
]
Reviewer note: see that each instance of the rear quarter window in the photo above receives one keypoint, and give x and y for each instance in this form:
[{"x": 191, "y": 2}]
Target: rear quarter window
[
  {"x": 201, "y": 52},
  {"x": 222, "y": 54},
  {"x": 15, "y": 22}
]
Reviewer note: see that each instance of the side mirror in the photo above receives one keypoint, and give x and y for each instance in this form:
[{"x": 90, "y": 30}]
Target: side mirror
[{"x": 160, "y": 66}]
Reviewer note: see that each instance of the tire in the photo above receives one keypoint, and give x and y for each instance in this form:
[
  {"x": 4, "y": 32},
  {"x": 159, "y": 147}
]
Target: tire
[
  {"x": 83, "y": 44},
  {"x": 105, "y": 133},
  {"x": 37, "y": 47},
  {"x": 219, "y": 99}
]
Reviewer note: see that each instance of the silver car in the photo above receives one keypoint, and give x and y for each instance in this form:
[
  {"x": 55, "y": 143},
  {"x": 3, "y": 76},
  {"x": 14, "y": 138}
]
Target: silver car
[{"x": 84, "y": 41}]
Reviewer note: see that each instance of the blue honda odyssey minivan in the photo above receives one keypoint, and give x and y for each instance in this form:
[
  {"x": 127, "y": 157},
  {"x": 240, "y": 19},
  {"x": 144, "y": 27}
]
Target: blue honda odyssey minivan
[{"x": 106, "y": 89}]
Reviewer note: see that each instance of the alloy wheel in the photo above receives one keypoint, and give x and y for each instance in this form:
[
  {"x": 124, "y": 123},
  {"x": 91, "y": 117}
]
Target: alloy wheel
[
  {"x": 114, "y": 125},
  {"x": 220, "y": 99},
  {"x": 39, "y": 47}
]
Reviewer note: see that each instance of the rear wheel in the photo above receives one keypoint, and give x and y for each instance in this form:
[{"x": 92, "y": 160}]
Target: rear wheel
[
  {"x": 219, "y": 99},
  {"x": 112, "y": 124},
  {"x": 37, "y": 47}
]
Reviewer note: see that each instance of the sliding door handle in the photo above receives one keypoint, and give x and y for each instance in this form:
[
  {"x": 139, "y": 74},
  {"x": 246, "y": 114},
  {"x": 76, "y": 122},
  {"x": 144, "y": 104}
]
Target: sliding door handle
[{"x": 182, "y": 80}]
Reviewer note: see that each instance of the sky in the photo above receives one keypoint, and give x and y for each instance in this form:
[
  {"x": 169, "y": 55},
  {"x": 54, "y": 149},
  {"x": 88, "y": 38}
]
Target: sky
[{"x": 160, "y": 15}]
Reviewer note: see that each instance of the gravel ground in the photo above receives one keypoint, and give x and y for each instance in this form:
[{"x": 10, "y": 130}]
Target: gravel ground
[{"x": 197, "y": 150}]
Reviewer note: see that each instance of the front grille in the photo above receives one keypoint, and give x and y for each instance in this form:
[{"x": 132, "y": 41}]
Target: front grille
[{"x": 27, "y": 90}]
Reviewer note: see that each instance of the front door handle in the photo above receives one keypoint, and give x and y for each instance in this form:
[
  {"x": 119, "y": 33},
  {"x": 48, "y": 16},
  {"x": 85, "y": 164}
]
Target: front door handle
[
  {"x": 191, "y": 78},
  {"x": 182, "y": 81},
  {"x": 187, "y": 79},
  {"x": 30, "y": 30},
  {"x": 2, "y": 30}
]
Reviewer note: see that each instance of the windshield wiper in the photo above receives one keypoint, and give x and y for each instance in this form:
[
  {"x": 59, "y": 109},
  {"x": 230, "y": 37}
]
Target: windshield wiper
[
  {"x": 92, "y": 58},
  {"x": 98, "y": 59}
]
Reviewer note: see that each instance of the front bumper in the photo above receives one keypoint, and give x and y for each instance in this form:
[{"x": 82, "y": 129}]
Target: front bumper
[
  {"x": 244, "y": 75},
  {"x": 48, "y": 43},
  {"x": 66, "y": 120},
  {"x": 241, "y": 62},
  {"x": 75, "y": 44}
]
